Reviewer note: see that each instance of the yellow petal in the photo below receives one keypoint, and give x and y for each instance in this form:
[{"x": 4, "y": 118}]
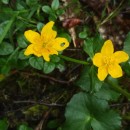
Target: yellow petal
[
  {"x": 37, "y": 54},
  {"x": 52, "y": 51},
  {"x": 102, "y": 73},
  {"x": 107, "y": 48},
  {"x": 47, "y": 33},
  {"x": 115, "y": 70},
  {"x": 46, "y": 55},
  {"x": 98, "y": 60},
  {"x": 120, "y": 56},
  {"x": 60, "y": 43},
  {"x": 29, "y": 50},
  {"x": 32, "y": 36}
]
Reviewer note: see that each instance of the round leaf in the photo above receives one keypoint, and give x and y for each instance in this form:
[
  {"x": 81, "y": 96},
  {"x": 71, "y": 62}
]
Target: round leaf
[
  {"x": 6, "y": 48},
  {"x": 48, "y": 67},
  {"x": 55, "y": 4},
  {"x": 24, "y": 127},
  {"x": 47, "y": 9},
  {"x": 85, "y": 112},
  {"x": 40, "y": 26},
  {"x": 82, "y": 34},
  {"x": 21, "y": 41},
  {"x": 5, "y": 1},
  {"x": 107, "y": 93},
  {"x": 36, "y": 62}
]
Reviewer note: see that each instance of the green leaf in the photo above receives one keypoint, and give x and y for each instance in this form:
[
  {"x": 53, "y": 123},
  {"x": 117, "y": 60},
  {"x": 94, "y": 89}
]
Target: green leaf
[
  {"x": 36, "y": 62},
  {"x": 52, "y": 17},
  {"x": 24, "y": 127},
  {"x": 22, "y": 41},
  {"x": 48, "y": 67},
  {"x": 126, "y": 67},
  {"x": 20, "y": 6},
  {"x": 6, "y": 27},
  {"x": 60, "y": 12},
  {"x": 91, "y": 112},
  {"x": 96, "y": 84},
  {"x": 85, "y": 81},
  {"x": 6, "y": 48},
  {"x": 22, "y": 64},
  {"x": 97, "y": 43},
  {"x": 55, "y": 4},
  {"x": 88, "y": 47},
  {"x": 82, "y": 35},
  {"x": 47, "y": 9},
  {"x": 109, "y": 120},
  {"x": 61, "y": 67},
  {"x": 107, "y": 93},
  {"x": 127, "y": 44},
  {"x": 31, "y": 2},
  {"x": 2, "y": 27},
  {"x": 3, "y": 124},
  {"x": 65, "y": 35},
  {"x": 5, "y": 69},
  {"x": 88, "y": 80},
  {"x": 21, "y": 55},
  {"x": 55, "y": 58},
  {"x": 40, "y": 26},
  {"x": 2, "y": 61},
  {"x": 5, "y": 1}
]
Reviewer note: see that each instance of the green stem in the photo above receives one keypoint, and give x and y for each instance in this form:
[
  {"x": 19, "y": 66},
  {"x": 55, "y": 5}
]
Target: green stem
[
  {"x": 10, "y": 57},
  {"x": 73, "y": 60},
  {"x": 118, "y": 89}
]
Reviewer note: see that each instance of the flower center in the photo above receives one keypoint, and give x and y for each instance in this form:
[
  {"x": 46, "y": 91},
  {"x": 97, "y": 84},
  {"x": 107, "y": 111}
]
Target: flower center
[
  {"x": 44, "y": 44},
  {"x": 108, "y": 60}
]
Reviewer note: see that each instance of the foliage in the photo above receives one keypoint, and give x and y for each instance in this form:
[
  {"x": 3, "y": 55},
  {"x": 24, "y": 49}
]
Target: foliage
[
  {"x": 34, "y": 91},
  {"x": 91, "y": 112}
]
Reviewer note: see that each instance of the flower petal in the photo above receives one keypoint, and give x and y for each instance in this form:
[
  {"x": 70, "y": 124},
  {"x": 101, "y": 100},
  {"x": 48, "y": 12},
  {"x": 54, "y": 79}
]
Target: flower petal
[
  {"x": 60, "y": 43},
  {"x": 98, "y": 60},
  {"x": 32, "y": 36},
  {"x": 29, "y": 50},
  {"x": 102, "y": 73},
  {"x": 52, "y": 51},
  {"x": 107, "y": 48},
  {"x": 120, "y": 56},
  {"x": 115, "y": 70},
  {"x": 46, "y": 54},
  {"x": 47, "y": 33}
]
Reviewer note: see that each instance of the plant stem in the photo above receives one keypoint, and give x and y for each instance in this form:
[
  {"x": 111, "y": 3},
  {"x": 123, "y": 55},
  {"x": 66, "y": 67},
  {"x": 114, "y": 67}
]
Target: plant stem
[
  {"x": 74, "y": 60},
  {"x": 10, "y": 57},
  {"x": 118, "y": 88}
]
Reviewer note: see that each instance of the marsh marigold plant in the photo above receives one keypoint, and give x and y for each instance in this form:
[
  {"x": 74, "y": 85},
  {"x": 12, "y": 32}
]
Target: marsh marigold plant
[
  {"x": 46, "y": 43},
  {"x": 108, "y": 62}
]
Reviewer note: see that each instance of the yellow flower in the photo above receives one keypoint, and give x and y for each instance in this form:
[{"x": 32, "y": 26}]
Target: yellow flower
[
  {"x": 46, "y": 43},
  {"x": 108, "y": 62}
]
